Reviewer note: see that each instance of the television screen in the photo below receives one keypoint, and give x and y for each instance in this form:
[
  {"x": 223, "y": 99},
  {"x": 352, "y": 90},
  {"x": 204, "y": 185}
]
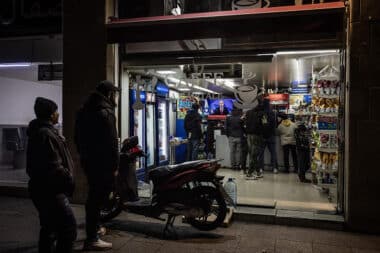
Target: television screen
[{"x": 213, "y": 104}]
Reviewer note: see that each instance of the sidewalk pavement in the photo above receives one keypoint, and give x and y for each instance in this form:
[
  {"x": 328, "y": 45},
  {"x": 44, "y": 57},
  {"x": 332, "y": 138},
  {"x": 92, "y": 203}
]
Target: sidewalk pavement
[{"x": 132, "y": 233}]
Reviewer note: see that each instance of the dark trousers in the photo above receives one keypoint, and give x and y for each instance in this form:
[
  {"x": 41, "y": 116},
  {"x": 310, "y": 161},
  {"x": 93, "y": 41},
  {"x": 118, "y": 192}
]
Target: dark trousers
[
  {"x": 98, "y": 193},
  {"x": 58, "y": 225},
  {"x": 303, "y": 161},
  {"x": 244, "y": 153},
  {"x": 290, "y": 148},
  {"x": 192, "y": 149},
  {"x": 269, "y": 142}
]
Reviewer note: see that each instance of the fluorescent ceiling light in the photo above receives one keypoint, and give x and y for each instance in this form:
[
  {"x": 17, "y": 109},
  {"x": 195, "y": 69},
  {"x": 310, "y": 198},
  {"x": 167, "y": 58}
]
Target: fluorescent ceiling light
[
  {"x": 171, "y": 85},
  {"x": 183, "y": 89},
  {"x": 165, "y": 72},
  {"x": 204, "y": 89},
  {"x": 307, "y": 52},
  {"x": 15, "y": 65},
  {"x": 229, "y": 84}
]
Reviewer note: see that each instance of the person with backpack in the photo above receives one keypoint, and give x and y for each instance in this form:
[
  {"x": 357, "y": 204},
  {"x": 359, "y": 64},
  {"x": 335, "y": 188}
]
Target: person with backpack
[
  {"x": 50, "y": 169},
  {"x": 193, "y": 130},
  {"x": 269, "y": 134},
  {"x": 255, "y": 118},
  {"x": 97, "y": 143},
  {"x": 234, "y": 132}
]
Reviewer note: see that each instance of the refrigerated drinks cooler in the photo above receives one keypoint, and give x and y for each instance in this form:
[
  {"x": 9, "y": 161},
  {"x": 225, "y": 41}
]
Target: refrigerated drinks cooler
[{"x": 162, "y": 113}]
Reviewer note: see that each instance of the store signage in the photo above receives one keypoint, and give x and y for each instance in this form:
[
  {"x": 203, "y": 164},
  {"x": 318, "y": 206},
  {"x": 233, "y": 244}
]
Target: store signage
[
  {"x": 246, "y": 97},
  {"x": 162, "y": 89},
  {"x": 50, "y": 72},
  {"x": 217, "y": 71},
  {"x": 279, "y": 99},
  {"x": 184, "y": 104},
  {"x": 300, "y": 90}
]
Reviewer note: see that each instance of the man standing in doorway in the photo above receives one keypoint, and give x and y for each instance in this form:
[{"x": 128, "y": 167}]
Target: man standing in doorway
[
  {"x": 254, "y": 120},
  {"x": 194, "y": 131},
  {"x": 97, "y": 143}
]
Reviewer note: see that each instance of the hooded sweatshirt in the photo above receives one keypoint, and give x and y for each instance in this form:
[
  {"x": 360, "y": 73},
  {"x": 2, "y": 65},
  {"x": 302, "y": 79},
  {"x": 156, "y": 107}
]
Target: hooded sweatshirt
[
  {"x": 49, "y": 163},
  {"x": 286, "y": 131},
  {"x": 234, "y": 124},
  {"x": 96, "y": 137}
]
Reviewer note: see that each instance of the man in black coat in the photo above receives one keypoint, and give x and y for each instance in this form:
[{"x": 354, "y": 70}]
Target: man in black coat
[
  {"x": 50, "y": 167},
  {"x": 97, "y": 143},
  {"x": 194, "y": 132},
  {"x": 221, "y": 110}
]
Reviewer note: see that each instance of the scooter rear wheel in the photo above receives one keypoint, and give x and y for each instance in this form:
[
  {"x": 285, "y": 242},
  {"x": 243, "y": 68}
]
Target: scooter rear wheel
[
  {"x": 216, "y": 208},
  {"x": 112, "y": 208}
]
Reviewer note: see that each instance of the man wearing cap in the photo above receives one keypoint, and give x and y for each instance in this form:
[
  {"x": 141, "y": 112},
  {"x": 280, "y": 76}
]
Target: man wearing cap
[
  {"x": 97, "y": 143},
  {"x": 50, "y": 166}
]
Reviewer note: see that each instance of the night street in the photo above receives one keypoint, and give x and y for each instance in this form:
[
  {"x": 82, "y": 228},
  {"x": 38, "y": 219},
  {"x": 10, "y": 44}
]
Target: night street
[{"x": 132, "y": 233}]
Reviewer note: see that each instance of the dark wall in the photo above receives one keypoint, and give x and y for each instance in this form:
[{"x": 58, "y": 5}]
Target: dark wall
[{"x": 363, "y": 191}]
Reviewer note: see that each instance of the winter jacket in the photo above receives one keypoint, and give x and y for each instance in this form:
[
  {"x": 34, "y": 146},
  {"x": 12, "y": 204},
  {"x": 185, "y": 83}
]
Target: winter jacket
[
  {"x": 234, "y": 124},
  {"x": 193, "y": 125},
  {"x": 96, "y": 137},
  {"x": 286, "y": 131},
  {"x": 218, "y": 112},
  {"x": 303, "y": 136},
  {"x": 49, "y": 163},
  {"x": 260, "y": 122}
]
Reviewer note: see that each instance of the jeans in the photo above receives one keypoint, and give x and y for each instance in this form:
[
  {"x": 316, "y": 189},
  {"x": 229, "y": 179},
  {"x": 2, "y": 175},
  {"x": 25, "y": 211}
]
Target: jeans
[
  {"x": 292, "y": 149},
  {"x": 235, "y": 150},
  {"x": 255, "y": 147},
  {"x": 98, "y": 193},
  {"x": 271, "y": 144},
  {"x": 192, "y": 149},
  {"x": 244, "y": 152},
  {"x": 303, "y": 161},
  {"x": 58, "y": 225}
]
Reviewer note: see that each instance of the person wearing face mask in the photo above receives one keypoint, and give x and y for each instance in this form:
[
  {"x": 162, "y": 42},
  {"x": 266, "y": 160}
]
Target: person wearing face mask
[
  {"x": 97, "y": 143},
  {"x": 50, "y": 169}
]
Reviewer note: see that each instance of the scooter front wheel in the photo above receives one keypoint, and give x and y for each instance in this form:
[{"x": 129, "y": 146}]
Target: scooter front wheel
[
  {"x": 214, "y": 206},
  {"x": 112, "y": 207}
]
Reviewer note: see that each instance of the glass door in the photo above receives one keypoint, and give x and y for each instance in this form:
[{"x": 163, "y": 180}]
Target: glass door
[
  {"x": 162, "y": 121},
  {"x": 139, "y": 130},
  {"x": 150, "y": 141}
]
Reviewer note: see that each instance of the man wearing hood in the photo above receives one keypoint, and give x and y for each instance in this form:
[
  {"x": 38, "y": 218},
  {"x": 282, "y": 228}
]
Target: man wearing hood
[
  {"x": 50, "y": 167},
  {"x": 288, "y": 141},
  {"x": 97, "y": 143}
]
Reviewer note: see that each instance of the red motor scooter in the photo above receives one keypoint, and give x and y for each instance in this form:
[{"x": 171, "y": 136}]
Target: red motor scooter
[{"x": 190, "y": 189}]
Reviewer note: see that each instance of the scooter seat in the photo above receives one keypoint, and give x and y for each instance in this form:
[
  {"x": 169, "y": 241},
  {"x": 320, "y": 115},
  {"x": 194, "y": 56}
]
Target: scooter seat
[{"x": 163, "y": 172}]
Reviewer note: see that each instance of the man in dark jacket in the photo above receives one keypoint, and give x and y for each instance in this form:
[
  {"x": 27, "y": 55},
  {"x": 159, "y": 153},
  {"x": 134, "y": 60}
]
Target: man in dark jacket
[
  {"x": 97, "y": 143},
  {"x": 194, "y": 132},
  {"x": 50, "y": 167},
  {"x": 254, "y": 129},
  {"x": 221, "y": 110},
  {"x": 234, "y": 132}
]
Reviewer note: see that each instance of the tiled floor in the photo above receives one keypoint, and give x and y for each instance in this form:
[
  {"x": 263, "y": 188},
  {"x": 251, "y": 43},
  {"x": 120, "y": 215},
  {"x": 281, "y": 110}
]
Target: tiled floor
[
  {"x": 284, "y": 191},
  {"x": 133, "y": 233}
]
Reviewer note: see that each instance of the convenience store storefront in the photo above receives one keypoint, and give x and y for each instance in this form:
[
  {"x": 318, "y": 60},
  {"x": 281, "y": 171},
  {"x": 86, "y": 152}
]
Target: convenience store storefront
[{"x": 280, "y": 37}]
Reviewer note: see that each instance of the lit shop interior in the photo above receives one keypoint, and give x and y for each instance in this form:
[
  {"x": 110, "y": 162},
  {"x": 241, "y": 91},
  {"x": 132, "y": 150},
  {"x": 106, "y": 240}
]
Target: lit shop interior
[{"x": 304, "y": 85}]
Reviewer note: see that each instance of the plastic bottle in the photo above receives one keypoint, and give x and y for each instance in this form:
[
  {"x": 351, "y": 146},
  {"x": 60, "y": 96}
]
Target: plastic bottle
[{"x": 231, "y": 188}]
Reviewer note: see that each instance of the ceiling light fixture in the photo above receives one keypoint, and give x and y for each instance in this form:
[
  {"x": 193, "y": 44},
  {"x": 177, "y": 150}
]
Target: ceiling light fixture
[
  {"x": 165, "y": 72},
  {"x": 300, "y": 52},
  {"x": 183, "y": 89},
  {"x": 15, "y": 65},
  {"x": 204, "y": 89}
]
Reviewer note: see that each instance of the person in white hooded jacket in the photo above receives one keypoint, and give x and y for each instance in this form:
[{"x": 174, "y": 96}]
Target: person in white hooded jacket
[{"x": 288, "y": 142}]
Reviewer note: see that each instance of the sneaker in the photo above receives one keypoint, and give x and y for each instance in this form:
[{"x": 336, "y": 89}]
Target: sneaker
[
  {"x": 102, "y": 231},
  {"x": 98, "y": 245},
  {"x": 250, "y": 177},
  {"x": 261, "y": 171},
  {"x": 259, "y": 175},
  {"x": 275, "y": 171}
]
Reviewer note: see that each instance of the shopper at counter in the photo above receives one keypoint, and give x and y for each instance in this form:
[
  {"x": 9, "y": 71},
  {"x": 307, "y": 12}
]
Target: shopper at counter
[
  {"x": 50, "y": 168},
  {"x": 288, "y": 142},
  {"x": 234, "y": 132},
  {"x": 221, "y": 110},
  {"x": 254, "y": 129},
  {"x": 269, "y": 134},
  {"x": 193, "y": 130},
  {"x": 97, "y": 143}
]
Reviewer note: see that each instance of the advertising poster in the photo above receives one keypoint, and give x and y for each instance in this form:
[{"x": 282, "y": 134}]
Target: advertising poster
[{"x": 184, "y": 104}]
